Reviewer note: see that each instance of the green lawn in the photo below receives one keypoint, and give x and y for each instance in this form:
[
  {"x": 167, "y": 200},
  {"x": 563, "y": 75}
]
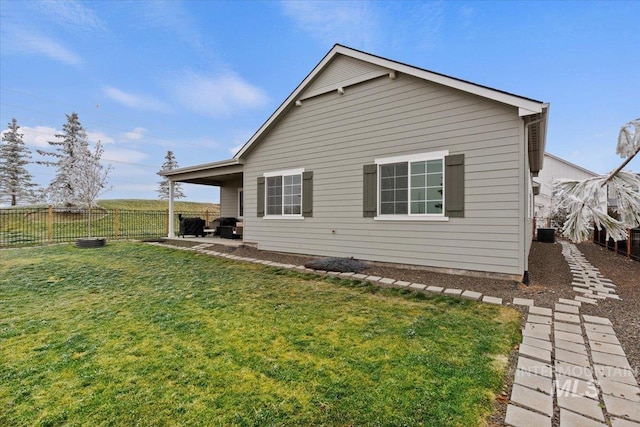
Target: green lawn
[{"x": 133, "y": 334}]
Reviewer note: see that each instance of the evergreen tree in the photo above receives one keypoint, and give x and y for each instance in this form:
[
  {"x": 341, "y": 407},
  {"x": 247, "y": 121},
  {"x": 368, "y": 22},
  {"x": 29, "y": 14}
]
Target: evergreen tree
[
  {"x": 15, "y": 180},
  {"x": 163, "y": 186},
  {"x": 72, "y": 148}
]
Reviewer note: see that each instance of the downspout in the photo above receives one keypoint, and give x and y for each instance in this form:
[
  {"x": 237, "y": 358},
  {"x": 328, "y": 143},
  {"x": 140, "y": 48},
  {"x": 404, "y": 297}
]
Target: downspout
[
  {"x": 171, "y": 190},
  {"x": 525, "y": 275}
]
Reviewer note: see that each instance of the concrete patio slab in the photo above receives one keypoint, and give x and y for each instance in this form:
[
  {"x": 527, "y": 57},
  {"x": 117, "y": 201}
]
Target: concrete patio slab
[
  {"x": 581, "y": 405},
  {"x": 569, "y": 302},
  {"x": 567, "y": 327},
  {"x": 572, "y": 358},
  {"x": 492, "y": 300},
  {"x": 597, "y": 320},
  {"x": 569, "y": 386},
  {"x": 586, "y": 300},
  {"x": 471, "y": 295},
  {"x": 571, "y": 346},
  {"x": 541, "y": 311},
  {"x": 534, "y": 318},
  {"x": 534, "y": 382},
  {"x": 607, "y": 348},
  {"x": 535, "y": 352},
  {"x": 566, "y": 308},
  {"x": 624, "y": 376},
  {"x": 532, "y": 399},
  {"x": 604, "y": 329},
  {"x": 564, "y": 317},
  {"x": 523, "y": 301},
  {"x": 622, "y": 407},
  {"x": 520, "y": 417},
  {"x": 403, "y": 284},
  {"x": 621, "y": 390},
  {"x": 570, "y": 370},
  {"x": 535, "y": 342},
  {"x": 619, "y": 422},
  {"x": 610, "y": 360},
  {"x": 571, "y": 419},
  {"x": 534, "y": 367},
  {"x": 568, "y": 336},
  {"x": 599, "y": 337}
]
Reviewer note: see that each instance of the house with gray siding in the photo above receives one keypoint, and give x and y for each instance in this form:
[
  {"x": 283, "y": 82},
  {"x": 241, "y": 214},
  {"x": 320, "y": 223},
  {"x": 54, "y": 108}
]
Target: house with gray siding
[
  {"x": 388, "y": 162},
  {"x": 554, "y": 168}
]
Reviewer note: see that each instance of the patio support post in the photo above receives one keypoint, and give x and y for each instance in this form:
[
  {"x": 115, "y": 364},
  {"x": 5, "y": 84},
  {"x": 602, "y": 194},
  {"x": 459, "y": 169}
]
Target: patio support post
[{"x": 171, "y": 189}]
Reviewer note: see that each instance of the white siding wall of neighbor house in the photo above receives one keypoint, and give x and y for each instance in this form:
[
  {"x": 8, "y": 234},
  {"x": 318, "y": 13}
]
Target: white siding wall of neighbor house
[
  {"x": 554, "y": 168},
  {"x": 334, "y": 135},
  {"x": 229, "y": 198}
]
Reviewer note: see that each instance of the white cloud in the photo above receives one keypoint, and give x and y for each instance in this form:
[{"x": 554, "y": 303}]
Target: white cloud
[
  {"x": 217, "y": 96},
  {"x": 135, "y": 101},
  {"x": 99, "y": 136},
  {"x": 123, "y": 155},
  {"x": 19, "y": 41},
  {"x": 38, "y": 136},
  {"x": 73, "y": 15},
  {"x": 134, "y": 135},
  {"x": 353, "y": 23}
]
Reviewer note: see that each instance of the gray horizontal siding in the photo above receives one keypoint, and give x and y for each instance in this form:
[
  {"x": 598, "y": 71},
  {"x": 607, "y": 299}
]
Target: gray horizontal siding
[
  {"x": 229, "y": 198},
  {"x": 334, "y": 135},
  {"x": 341, "y": 69}
]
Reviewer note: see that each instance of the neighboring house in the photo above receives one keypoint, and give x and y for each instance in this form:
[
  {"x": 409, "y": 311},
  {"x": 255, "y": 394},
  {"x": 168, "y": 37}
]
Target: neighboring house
[
  {"x": 554, "y": 168},
  {"x": 384, "y": 161}
]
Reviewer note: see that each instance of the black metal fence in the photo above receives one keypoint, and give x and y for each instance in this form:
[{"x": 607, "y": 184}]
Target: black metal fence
[
  {"x": 629, "y": 248},
  {"x": 33, "y": 226}
]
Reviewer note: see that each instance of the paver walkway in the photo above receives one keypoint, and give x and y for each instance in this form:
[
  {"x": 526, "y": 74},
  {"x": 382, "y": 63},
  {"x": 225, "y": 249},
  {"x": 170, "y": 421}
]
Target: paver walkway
[
  {"x": 558, "y": 373},
  {"x": 561, "y": 374}
]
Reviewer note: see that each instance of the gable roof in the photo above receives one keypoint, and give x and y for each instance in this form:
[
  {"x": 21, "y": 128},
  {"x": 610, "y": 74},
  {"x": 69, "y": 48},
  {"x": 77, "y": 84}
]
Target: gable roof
[
  {"x": 568, "y": 163},
  {"x": 536, "y": 110}
]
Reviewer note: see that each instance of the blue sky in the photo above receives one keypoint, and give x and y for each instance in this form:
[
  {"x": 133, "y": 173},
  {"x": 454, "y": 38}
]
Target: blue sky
[{"x": 199, "y": 78}]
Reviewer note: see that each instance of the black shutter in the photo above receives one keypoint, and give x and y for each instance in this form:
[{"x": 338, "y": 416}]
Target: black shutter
[
  {"x": 454, "y": 186},
  {"x": 307, "y": 194},
  {"x": 370, "y": 191},
  {"x": 260, "y": 196}
]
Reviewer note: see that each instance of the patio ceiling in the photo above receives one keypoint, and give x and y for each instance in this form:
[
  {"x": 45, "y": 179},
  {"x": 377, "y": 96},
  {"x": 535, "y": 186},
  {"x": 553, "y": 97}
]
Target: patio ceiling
[{"x": 215, "y": 173}]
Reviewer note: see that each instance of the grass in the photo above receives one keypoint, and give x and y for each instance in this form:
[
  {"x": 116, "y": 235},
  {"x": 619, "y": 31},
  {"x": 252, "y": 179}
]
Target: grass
[
  {"x": 158, "y": 205},
  {"x": 142, "y": 335}
]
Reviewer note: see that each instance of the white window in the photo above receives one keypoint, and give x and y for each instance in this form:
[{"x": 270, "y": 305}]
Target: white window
[
  {"x": 284, "y": 193},
  {"x": 411, "y": 186}
]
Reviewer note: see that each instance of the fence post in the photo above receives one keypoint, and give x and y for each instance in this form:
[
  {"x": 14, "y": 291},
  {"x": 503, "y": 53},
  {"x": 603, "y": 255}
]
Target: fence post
[
  {"x": 116, "y": 223},
  {"x": 206, "y": 216},
  {"x": 166, "y": 228},
  {"x": 50, "y": 224},
  {"x": 628, "y": 243}
]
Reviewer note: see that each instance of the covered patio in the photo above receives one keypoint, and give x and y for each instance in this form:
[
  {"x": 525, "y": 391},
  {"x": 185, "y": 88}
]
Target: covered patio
[{"x": 226, "y": 174}]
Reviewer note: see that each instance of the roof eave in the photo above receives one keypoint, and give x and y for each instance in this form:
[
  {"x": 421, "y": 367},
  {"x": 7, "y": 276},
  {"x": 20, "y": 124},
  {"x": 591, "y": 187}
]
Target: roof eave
[
  {"x": 525, "y": 106},
  {"x": 205, "y": 166}
]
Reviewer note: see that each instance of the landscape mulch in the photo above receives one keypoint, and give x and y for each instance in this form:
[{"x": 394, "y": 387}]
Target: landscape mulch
[{"x": 550, "y": 279}]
